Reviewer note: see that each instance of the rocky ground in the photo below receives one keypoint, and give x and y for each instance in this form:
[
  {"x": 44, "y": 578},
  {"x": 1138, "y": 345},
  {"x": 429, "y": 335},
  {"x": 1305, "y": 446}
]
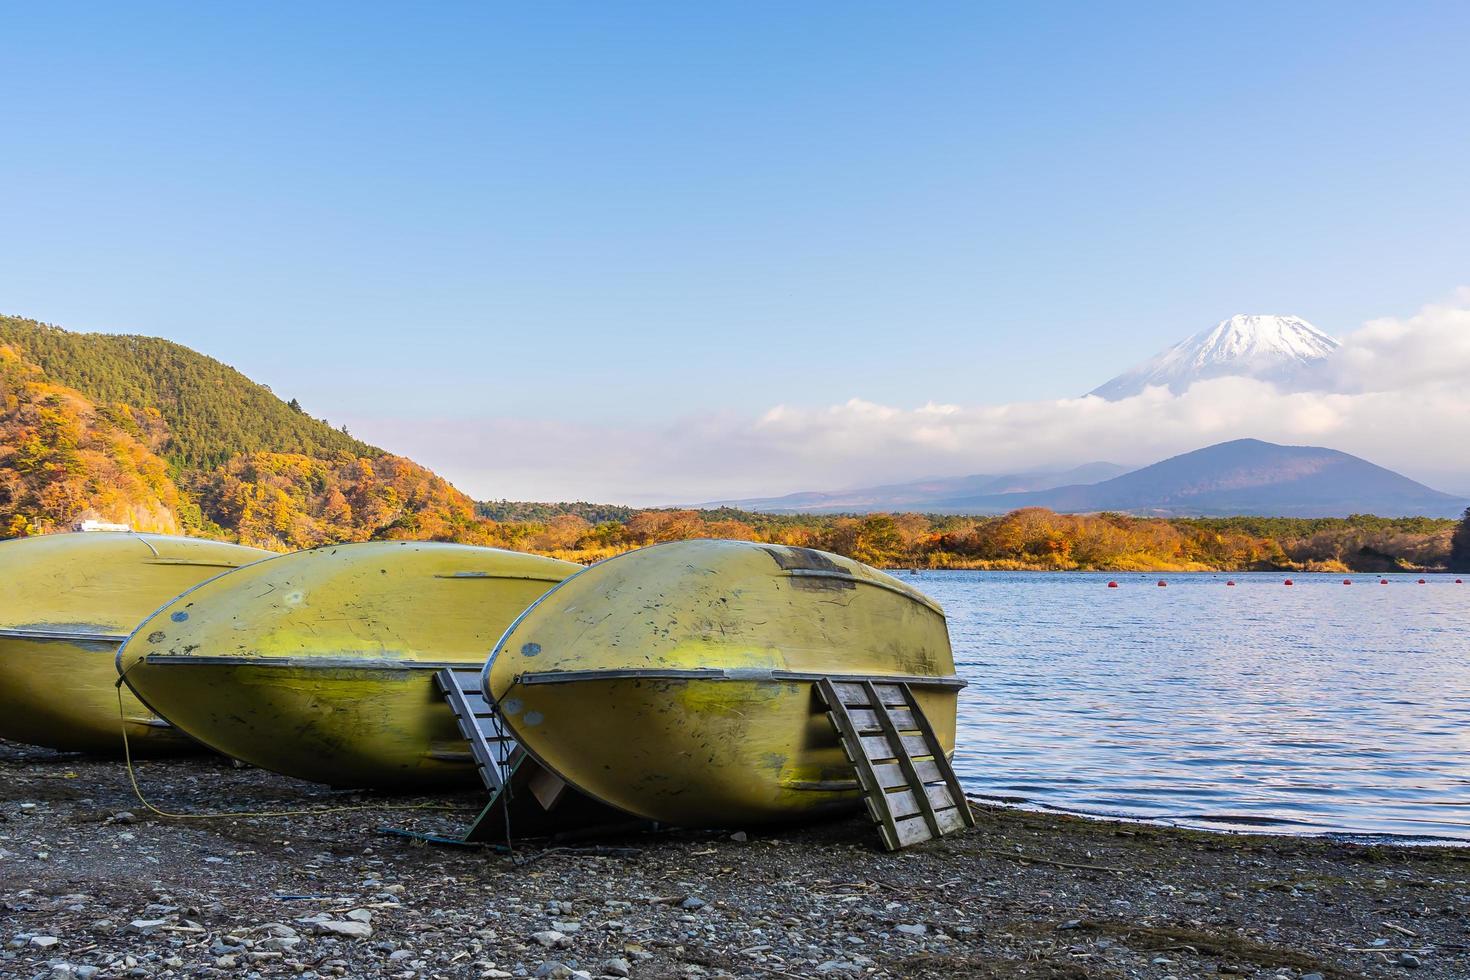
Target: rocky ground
[{"x": 94, "y": 885}]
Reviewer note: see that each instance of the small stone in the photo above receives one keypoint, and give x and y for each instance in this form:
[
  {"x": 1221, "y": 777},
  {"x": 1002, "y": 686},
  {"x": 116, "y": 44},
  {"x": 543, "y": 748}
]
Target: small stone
[
  {"x": 280, "y": 943},
  {"x": 348, "y": 927},
  {"x": 616, "y": 967},
  {"x": 147, "y": 926},
  {"x": 1311, "y": 976},
  {"x": 692, "y": 903},
  {"x": 360, "y": 915},
  {"x": 740, "y": 837},
  {"x": 566, "y": 927},
  {"x": 400, "y": 954},
  {"x": 838, "y": 966},
  {"x": 554, "y": 970},
  {"x": 45, "y": 942},
  {"x": 912, "y": 930},
  {"x": 1409, "y": 961},
  {"x": 124, "y": 817},
  {"x": 551, "y": 938}
]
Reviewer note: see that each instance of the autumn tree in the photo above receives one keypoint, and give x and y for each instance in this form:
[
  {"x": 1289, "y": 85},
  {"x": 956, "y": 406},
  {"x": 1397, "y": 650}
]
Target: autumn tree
[{"x": 561, "y": 533}]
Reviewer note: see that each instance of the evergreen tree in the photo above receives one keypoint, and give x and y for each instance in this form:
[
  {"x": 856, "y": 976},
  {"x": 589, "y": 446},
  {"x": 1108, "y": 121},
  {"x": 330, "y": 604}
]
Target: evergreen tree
[{"x": 1460, "y": 545}]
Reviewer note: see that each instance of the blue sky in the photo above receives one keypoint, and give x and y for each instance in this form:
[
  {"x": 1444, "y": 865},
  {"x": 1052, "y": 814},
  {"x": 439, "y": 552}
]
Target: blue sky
[{"x": 436, "y": 221}]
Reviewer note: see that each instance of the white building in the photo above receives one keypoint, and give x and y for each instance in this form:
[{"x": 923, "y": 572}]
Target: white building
[{"x": 90, "y": 525}]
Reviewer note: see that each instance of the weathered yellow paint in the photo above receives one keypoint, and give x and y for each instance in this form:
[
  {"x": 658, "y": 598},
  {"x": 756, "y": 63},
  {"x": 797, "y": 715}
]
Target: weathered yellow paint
[
  {"x": 320, "y": 664},
  {"x": 69, "y": 601},
  {"x": 598, "y": 682}
]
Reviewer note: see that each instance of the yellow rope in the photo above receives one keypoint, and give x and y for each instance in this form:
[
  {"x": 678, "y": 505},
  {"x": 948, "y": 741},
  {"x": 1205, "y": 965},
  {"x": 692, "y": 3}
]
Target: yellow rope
[{"x": 133, "y": 778}]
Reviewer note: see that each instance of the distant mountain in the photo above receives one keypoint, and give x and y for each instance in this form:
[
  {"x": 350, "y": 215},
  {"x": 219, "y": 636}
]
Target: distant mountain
[
  {"x": 1245, "y": 476},
  {"x": 1286, "y": 350},
  {"x": 921, "y": 495}
]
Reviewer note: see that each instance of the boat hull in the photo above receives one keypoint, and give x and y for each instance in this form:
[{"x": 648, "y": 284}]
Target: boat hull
[
  {"x": 700, "y": 751},
  {"x": 320, "y": 664},
  {"x": 63, "y": 694},
  {"x": 677, "y": 682},
  {"x": 70, "y": 602},
  {"x": 347, "y": 727}
]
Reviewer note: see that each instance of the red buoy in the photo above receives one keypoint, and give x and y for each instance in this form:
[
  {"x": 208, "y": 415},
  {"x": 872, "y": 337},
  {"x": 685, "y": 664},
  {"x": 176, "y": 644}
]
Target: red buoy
[
  {"x": 1288, "y": 582},
  {"x": 1112, "y": 585},
  {"x": 1162, "y": 583},
  {"x": 1347, "y": 581},
  {"x": 1421, "y": 581},
  {"x": 1383, "y": 581},
  {"x": 1459, "y": 581},
  {"x": 1231, "y": 582}
]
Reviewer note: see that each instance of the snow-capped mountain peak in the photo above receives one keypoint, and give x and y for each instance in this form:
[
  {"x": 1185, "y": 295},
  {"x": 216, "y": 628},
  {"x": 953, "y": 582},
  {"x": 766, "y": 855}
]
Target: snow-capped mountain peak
[{"x": 1285, "y": 350}]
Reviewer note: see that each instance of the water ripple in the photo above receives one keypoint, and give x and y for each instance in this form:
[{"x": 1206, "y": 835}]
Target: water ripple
[{"x": 1313, "y": 709}]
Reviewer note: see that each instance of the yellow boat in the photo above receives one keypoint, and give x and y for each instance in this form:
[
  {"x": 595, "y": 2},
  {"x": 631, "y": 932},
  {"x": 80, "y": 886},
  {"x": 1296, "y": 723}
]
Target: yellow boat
[
  {"x": 676, "y": 682},
  {"x": 320, "y": 664},
  {"x": 69, "y": 602}
]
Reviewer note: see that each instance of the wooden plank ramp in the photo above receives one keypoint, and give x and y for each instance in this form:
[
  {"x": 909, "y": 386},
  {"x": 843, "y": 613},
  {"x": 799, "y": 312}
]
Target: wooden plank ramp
[
  {"x": 526, "y": 800},
  {"x": 491, "y": 746},
  {"x": 910, "y": 788}
]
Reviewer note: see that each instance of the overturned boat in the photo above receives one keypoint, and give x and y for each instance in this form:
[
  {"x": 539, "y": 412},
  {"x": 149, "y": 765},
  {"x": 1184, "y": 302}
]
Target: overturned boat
[
  {"x": 682, "y": 682},
  {"x": 70, "y": 602},
  {"x": 321, "y": 664}
]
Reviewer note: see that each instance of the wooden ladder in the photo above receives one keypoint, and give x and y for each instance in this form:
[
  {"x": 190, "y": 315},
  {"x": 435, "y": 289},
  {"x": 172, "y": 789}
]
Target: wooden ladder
[
  {"x": 911, "y": 789},
  {"x": 523, "y": 795},
  {"x": 491, "y": 746}
]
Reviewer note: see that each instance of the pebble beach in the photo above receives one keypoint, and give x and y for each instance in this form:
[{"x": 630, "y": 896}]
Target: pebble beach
[{"x": 94, "y": 885}]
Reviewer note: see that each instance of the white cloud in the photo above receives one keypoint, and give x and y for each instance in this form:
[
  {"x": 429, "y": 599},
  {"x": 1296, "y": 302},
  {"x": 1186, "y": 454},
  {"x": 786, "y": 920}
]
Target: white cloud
[
  {"x": 1401, "y": 398},
  {"x": 1433, "y": 346}
]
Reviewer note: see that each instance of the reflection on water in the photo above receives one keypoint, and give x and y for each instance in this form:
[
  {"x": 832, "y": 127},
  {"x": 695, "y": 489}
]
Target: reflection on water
[{"x": 1313, "y": 708}]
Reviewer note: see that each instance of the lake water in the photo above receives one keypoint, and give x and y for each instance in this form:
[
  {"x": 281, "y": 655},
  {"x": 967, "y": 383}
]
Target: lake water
[{"x": 1318, "y": 708}]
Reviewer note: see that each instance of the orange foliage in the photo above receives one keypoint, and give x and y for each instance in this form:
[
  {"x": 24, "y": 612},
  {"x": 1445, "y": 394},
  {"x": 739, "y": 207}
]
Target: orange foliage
[
  {"x": 287, "y": 500},
  {"x": 64, "y": 459}
]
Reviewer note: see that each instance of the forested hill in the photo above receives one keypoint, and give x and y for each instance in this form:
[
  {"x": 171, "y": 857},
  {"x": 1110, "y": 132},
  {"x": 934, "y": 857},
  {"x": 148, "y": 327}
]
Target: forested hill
[
  {"x": 148, "y": 433},
  {"x": 63, "y": 458},
  {"x": 213, "y": 412}
]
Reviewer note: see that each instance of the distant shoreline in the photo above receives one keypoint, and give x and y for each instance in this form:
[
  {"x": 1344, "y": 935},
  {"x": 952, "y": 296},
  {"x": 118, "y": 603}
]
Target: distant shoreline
[{"x": 906, "y": 569}]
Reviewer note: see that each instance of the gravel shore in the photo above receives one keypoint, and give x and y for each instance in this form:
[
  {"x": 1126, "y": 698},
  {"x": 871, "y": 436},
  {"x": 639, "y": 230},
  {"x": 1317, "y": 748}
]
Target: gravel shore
[{"x": 94, "y": 885}]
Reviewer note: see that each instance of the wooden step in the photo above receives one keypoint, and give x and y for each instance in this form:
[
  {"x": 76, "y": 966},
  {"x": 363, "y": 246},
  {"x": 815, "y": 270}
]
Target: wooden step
[
  {"x": 490, "y": 744},
  {"x": 526, "y": 800},
  {"x": 910, "y": 787}
]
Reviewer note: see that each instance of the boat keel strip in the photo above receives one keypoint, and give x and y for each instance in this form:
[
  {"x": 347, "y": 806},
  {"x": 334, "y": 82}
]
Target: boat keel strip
[{"x": 732, "y": 674}]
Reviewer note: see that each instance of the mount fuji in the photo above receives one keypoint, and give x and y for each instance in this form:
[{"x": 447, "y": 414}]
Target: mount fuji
[{"x": 1285, "y": 350}]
